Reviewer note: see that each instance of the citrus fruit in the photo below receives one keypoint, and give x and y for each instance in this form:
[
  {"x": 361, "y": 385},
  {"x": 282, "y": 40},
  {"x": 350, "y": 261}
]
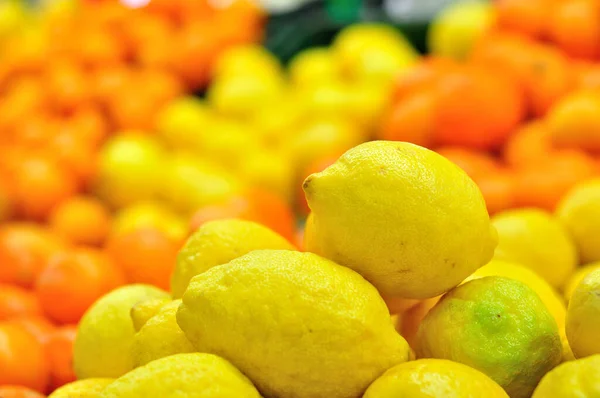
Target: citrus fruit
[
  {"x": 359, "y": 222},
  {"x": 88, "y": 388},
  {"x": 313, "y": 66},
  {"x": 59, "y": 348},
  {"x": 81, "y": 220},
  {"x": 282, "y": 340},
  {"x": 537, "y": 240},
  {"x": 575, "y": 28},
  {"x": 574, "y": 121},
  {"x": 105, "y": 334},
  {"x": 193, "y": 374},
  {"x": 218, "y": 242},
  {"x": 428, "y": 378},
  {"x": 580, "y": 378},
  {"x": 498, "y": 326},
  {"x": 16, "y": 302},
  {"x": 149, "y": 215},
  {"x": 181, "y": 123},
  {"x": 142, "y": 311},
  {"x": 19, "y": 392},
  {"x": 37, "y": 325},
  {"x": 583, "y": 316},
  {"x": 577, "y": 277}
]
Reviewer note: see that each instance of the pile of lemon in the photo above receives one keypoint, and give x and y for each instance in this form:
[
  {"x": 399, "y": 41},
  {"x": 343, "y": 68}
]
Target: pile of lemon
[{"x": 392, "y": 223}]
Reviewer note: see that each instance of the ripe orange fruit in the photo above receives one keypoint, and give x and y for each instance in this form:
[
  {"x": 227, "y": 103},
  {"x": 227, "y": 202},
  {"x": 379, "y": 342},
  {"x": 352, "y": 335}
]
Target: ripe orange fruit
[
  {"x": 498, "y": 190},
  {"x": 474, "y": 163},
  {"x": 25, "y": 250},
  {"x": 256, "y": 205},
  {"x": 421, "y": 76},
  {"x": 587, "y": 75},
  {"x": 528, "y": 17},
  {"x": 67, "y": 84},
  {"x": 38, "y": 326},
  {"x": 19, "y": 392},
  {"x": 145, "y": 255},
  {"x": 82, "y": 220},
  {"x": 73, "y": 280},
  {"x": 16, "y": 301},
  {"x": 530, "y": 144},
  {"x": 574, "y": 26},
  {"x": 108, "y": 80},
  {"x": 99, "y": 46},
  {"x": 476, "y": 108},
  {"x": 59, "y": 348},
  {"x": 70, "y": 152},
  {"x": 21, "y": 99},
  {"x": 22, "y": 359},
  {"x": 196, "y": 48}
]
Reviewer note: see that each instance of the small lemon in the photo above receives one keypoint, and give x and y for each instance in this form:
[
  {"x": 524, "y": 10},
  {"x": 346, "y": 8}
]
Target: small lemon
[
  {"x": 296, "y": 324},
  {"x": 498, "y": 326},
  {"x": 152, "y": 215},
  {"x": 579, "y": 212},
  {"x": 103, "y": 344},
  {"x": 247, "y": 60},
  {"x": 434, "y": 378},
  {"x": 535, "y": 239},
  {"x": 314, "y": 66},
  {"x": 575, "y": 379},
  {"x": 218, "y": 242},
  {"x": 160, "y": 337},
  {"x": 271, "y": 170},
  {"x": 181, "y": 122},
  {"x": 458, "y": 26},
  {"x": 383, "y": 206},
  {"x": 192, "y": 375},
  {"x": 86, "y": 388},
  {"x": 583, "y": 317},
  {"x": 142, "y": 311},
  {"x": 577, "y": 277}
]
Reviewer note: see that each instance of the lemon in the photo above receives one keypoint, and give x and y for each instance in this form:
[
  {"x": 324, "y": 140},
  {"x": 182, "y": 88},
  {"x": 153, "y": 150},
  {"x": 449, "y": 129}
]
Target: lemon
[
  {"x": 580, "y": 213},
  {"x": 373, "y": 52},
  {"x": 86, "y": 388},
  {"x": 296, "y": 324},
  {"x": 247, "y": 60},
  {"x": 547, "y": 294},
  {"x": 142, "y": 311},
  {"x": 535, "y": 239},
  {"x": 577, "y": 277},
  {"x": 583, "y": 316},
  {"x": 180, "y": 123},
  {"x": 150, "y": 215},
  {"x": 274, "y": 123},
  {"x": 383, "y": 206},
  {"x": 160, "y": 336},
  {"x": 271, "y": 170},
  {"x": 433, "y": 378},
  {"x": 314, "y": 66},
  {"x": 129, "y": 169},
  {"x": 218, "y": 242},
  {"x": 575, "y": 379},
  {"x": 498, "y": 326},
  {"x": 191, "y": 375},
  {"x": 103, "y": 344},
  {"x": 457, "y": 28}
]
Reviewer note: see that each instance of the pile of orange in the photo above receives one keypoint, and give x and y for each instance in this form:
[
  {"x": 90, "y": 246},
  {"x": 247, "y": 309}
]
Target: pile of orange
[{"x": 522, "y": 114}]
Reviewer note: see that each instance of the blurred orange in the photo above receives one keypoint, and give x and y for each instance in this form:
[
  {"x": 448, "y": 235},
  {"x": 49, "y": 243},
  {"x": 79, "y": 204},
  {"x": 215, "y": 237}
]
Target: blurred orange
[
  {"x": 108, "y": 80},
  {"x": 72, "y": 153},
  {"x": 59, "y": 349},
  {"x": 411, "y": 120},
  {"x": 99, "y": 46},
  {"x": 25, "y": 250},
  {"x": 421, "y": 77},
  {"x": 529, "y": 17},
  {"x": 19, "y": 392},
  {"x": 256, "y": 205},
  {"x": 498, "y": 190},
  {"x": 476, "y": 107},
  {"x": 197, "y": 46},
  {"x": 16, "y": 301},
  {"x": 23, "y": 98},
  {"x": 145, "y": 255},
  {"x": 37, "y": 325},
  {"x": 528, "y": 145},
  {"x": 574, "y": 26},
  {"x": 474, "y": 163},
  {"x": 67, "y": 84},
  {"x": 22, "y": 359},
  {"x": 73, "y": 280},
  {"x": 83, "y": 220}
]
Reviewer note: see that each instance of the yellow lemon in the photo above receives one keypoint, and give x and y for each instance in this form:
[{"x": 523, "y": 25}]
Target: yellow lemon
[
  {"x": 535, "y": 239},
  {"x": 183, "y": 375},
  {"x": 383, "y": 206},
  {"x": 86, "y": 388},
  {"x": 498, "y": 326},
  {"x": 150, "y": 214},
  {"x": 180, "y": 123},
  {"x": 575, "y": 379},
  {"x": 577, "y": 277},
  {"x": 271, "y": 170},
  {"x": 583, "y": 316},
  {"x": 434, "y": 378},
  {"x": 160, "y": 337},
  {"x": 142, "y": 311},
  {"x": 296, "y": 324},
  {"x": 103, "y": 344},
  {"x": 218, "y": 242},
  {"x": 314, "y": 66},
  {"x": 580, "y": 213},
  {"x": 247, "y": 60}
]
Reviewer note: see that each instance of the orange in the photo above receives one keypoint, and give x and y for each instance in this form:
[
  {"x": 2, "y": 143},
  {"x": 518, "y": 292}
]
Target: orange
[
  {"x": 530, "y": 144},
  {"x": 476, "y": 108},
  {"x": 410, "y": 120},
  {"x": 16, "y": 301},
  {"x": 587, "y": 75},
  {"x": 529, "y": 17},
  {"x": 23, "y": 97},
  {"x": 22, "y": 359},
  {"x": 107, "y": 80},
  {"x": 19, "y": 392},
  {"x": 150, "y": 38},
  {"x": 254, "y": 204},
  {"x": 99, "y": 46},
  {"x": 81, "y": 220},
  {"x": 498, "y": 190},
  {"x": 59, "y": 348},
  {"x": 70, "y": 152},
  {"x": 474, "y": 163},
  {"x": 67, "y": 84},
  {"x": 38, "y": 326},
  {"x": 73, "y": 280},
  {"x": 25, "y": 250},
  {"x": 574, "y": 26},
  {"x": 35, "y": 131},
  {"x": 91, "y": 125},
  {"x": 196, "y": 48},
  {"x": 421, "y": 76},
  {"x": 145, "y": 255},
  {"x": 40, "y": 184}
]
